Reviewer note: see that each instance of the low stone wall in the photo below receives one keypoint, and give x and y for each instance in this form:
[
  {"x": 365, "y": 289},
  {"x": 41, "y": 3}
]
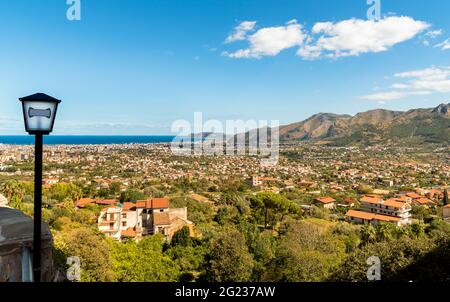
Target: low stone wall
[{"x": 16, "y": 234}]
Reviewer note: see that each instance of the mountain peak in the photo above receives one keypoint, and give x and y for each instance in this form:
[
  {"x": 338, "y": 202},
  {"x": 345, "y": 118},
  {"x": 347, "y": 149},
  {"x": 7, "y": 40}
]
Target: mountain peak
[
  {"x": 442, "y": 109},
  {"x": 373, "y": 125}
]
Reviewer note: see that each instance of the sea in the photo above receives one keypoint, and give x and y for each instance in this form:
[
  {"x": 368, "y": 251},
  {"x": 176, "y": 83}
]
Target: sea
[{"x": 85, "y": 139}]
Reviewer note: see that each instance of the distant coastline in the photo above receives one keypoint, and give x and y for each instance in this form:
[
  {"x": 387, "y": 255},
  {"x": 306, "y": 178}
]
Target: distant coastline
[{"x": 86, "y": 139}]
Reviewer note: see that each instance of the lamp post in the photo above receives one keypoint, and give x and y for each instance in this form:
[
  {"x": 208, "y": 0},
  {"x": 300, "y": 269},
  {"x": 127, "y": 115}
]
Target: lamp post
[{"x": 39, "y": 111}]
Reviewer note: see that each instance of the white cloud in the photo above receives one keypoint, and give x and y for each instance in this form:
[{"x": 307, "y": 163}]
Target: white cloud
[
  {"x": 431, "y": 73},
  {"x": 416, "y": 82},
  {"x": 240, "y": 31},
  {"x": 350, "y": 37},
  {"x": 392, "y": 95},
  {"x": 433, "y": 79},
  {"x": 270, "y": 41},
  {"x": 444, "y": 45},
  {"x": 434, "y": 33},
  {"x": 355, "y": 36}
]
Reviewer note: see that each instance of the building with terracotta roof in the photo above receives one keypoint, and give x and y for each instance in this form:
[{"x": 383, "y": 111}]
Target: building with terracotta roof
[
  {"x": 81, "y": 203},
  {"x": 366, "y": 218},
  {"x": 145, "y": 217},
  {"x": 325, "y": 202},
  {"x": 423, "y": 201},
  {"x": 375, "y": 209}
]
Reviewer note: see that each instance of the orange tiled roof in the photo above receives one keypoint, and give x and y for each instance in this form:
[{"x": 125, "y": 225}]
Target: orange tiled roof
[
  {"x": 155, "y": 203},
  {"x": 106, "y": 201},
  {"x": 160, "y": 203},
  {"x": 127, "y": 206},
  {"x": 413, "y": 195},
  {"x": 130, "y": 232},
  {"x": 325, "y": 199},
  {"x": 372, "y": 199},
  {"x": 424, "y": 200},
  {"x": 84, "y": 201},
  {"x": 371, "y": 216},
  {"x": 403, "y": 198},
  {"x": 394, "y": 203}
]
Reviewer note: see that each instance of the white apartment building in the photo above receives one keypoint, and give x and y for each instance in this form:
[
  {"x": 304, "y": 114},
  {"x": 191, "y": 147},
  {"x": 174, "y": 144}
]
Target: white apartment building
[
  {"x": 374, "y": 209},
  {"x": 147, "y": 217}
]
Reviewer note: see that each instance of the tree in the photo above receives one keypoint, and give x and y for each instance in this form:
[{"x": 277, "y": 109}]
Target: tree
[
  {"x": 190, "y": 259},
  {"x": 305, "y": 254},
  {"x": 417, "y": 230},
  {"x": 273, "y": 207},
  {"x": 385, "y": 231},
  {"x": 368, "y": 234},
  {"x": 446, "y": 200},
  {"x": 62, "y": 191},
  {"x": 143, "y": 261},
  {"x": 12, "y": 188},
  {"x": 132, "y": 196},
  {"x": 395, "y": 257},
  {"x": 182, "y": 237},
  {"x": 92, "y": 250},
  {"x": 229, "y": 259},
  {"x": 114, "y": 188}
]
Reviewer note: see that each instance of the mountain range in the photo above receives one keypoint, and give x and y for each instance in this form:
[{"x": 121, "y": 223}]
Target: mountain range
[{"x": 417, "y": 125}]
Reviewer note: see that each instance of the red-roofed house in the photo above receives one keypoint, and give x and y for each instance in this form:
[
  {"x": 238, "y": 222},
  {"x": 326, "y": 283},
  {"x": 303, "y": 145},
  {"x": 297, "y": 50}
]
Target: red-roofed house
[
  {"x": 326, "y": 202},
  {"x": 84, "y": 201},
  {"x": 366, "y": 218},
  {"x": 424, "y": 202},
  {"x": 347, "y": 203},
  {"x": 107, "y": 202},
  {"x": 145, "y": 217},
  {"x": 398, "y": 210}
]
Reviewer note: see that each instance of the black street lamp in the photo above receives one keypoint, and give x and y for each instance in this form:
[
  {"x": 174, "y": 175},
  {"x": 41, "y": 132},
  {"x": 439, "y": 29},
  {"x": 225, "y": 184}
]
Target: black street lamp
[{"x": 39, "y": 111}]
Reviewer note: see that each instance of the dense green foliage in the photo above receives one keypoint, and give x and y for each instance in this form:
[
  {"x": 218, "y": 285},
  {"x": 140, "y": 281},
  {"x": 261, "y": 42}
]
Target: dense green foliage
[{"x": 242, "y": 236}]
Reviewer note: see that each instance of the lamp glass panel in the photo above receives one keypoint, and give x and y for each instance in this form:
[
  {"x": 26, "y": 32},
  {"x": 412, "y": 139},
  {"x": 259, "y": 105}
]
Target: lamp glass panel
[{"x": 39, "y": 116}]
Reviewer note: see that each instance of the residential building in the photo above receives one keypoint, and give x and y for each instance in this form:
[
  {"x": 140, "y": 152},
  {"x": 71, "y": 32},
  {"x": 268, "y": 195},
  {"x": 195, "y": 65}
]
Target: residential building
[
  {"x": 423, "y": 201},
  {"x": 145, "y": 217},
  {"x": 256, "y": 181},
  {"x": 325, "y": 202},
  {"x": 375, "y": 209},
  {"x": 346, "y": 203},
  {"x": 366, "y": 218},
  {"x": 446, "y": 212}
]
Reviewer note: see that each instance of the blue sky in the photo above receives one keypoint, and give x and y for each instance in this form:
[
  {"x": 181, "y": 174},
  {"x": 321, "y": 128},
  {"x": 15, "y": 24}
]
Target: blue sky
[{"x": 135, "y": 66}]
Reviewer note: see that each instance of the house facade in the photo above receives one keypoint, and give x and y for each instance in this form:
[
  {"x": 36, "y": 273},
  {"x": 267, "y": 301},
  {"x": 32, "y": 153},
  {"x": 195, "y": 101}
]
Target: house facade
[
  {"x": 374, "y": 209},
  {"x": 325, "y": 202},
  {"x": 446, "y": 212},
  {"x": 145, "y": 217}
]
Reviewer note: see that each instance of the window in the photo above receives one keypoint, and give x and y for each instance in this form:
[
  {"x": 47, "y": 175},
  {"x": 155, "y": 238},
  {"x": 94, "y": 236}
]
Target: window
[
  {"x": 124, "y": 223},
  {"x": 124, "y": 215},
  {"x": 161, "y": 211},
  {"x": 111, "y": 226}
]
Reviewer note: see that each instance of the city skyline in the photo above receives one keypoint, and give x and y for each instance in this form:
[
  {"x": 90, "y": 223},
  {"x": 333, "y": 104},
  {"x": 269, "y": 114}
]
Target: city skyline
[{"x": 134, "y": 67}]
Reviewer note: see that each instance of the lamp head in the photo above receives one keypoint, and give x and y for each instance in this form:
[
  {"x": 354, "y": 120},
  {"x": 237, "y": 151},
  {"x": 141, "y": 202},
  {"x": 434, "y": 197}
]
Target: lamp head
[{"x": 39, "y": 112}]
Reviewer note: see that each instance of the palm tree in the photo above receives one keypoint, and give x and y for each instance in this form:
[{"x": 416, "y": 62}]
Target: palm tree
[
  {"x": 368, "y": 234},
  {"x": 12, "y": 188},
  {"x": 384, "y": 232}
]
